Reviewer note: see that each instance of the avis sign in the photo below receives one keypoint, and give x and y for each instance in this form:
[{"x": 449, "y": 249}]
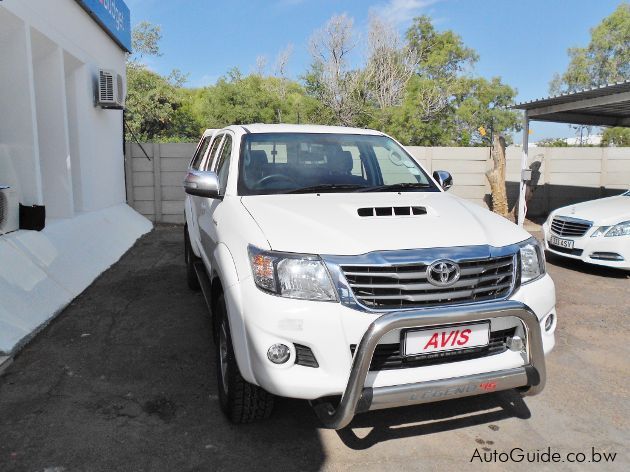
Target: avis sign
[{"x": 113, "y": 16}]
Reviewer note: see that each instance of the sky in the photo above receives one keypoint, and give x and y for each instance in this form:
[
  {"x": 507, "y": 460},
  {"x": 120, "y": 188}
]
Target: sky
[{"x": 523, "y": 42}]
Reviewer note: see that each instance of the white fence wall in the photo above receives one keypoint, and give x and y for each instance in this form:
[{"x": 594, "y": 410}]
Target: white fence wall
[{"x": 564, "y": 175}]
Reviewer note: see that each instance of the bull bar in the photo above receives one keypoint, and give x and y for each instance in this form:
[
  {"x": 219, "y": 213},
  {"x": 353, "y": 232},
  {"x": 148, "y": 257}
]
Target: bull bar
[{"x": 357, "y": 398}]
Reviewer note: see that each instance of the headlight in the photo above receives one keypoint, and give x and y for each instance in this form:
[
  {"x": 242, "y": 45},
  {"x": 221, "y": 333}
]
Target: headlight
[
  {"x": 600, "y": 231},
  {"x": 291, "y": 275},
  {"x": 532, "y": 261},
  {"x": 622, "y": 229}
]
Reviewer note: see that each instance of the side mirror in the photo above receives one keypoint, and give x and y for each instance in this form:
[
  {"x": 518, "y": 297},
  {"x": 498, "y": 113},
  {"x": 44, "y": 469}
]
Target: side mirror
[
  {"x": 445, "y": 179},
  {"x": 202, "y": 183}
]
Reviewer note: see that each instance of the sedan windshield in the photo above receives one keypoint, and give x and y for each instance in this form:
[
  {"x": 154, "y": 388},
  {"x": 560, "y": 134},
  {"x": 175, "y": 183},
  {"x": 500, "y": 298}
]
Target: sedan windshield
[{"x": 273, "y": 163}]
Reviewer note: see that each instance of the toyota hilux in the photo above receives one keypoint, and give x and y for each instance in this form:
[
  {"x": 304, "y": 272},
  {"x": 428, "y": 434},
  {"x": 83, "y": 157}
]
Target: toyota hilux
[{"x": 339, "y": 271}]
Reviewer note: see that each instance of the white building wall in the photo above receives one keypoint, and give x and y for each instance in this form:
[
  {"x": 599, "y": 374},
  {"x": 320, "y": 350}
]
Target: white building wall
[
  {"x": 61, "y": 151},
  {"x": 62, "y": 38},
  {"x": 18, "y": 128}
]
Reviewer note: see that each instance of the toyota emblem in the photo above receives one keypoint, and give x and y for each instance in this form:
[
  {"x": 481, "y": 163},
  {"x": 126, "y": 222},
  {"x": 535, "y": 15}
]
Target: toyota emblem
[{"x": 443, "y": 273}]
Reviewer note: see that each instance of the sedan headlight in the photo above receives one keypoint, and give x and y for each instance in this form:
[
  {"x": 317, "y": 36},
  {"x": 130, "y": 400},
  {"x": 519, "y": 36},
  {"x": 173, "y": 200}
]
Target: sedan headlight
[
  {"x": 291, "y": 275},
  {"x": 622, "y": 229},
  {"x": 600, "y": 231},
  {"x": 532, "y": 261}
]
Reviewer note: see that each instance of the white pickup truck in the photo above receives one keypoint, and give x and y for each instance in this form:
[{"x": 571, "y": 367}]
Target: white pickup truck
[{"x": 339, "y": 271}]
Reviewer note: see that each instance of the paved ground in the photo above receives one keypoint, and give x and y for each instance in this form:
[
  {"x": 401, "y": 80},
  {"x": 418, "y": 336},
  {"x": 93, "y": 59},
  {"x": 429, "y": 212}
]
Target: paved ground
[{"x": 124, "y": 380}]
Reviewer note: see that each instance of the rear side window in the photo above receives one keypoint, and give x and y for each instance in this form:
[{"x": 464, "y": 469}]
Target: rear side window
[
  {"x": 201, "y": 151},
  {"x": 213, "y": 152},
  {"x": 223, "y": 163}
]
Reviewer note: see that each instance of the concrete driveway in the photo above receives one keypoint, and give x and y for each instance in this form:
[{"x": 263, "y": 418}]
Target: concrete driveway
[{"x": 123, "y": 379}]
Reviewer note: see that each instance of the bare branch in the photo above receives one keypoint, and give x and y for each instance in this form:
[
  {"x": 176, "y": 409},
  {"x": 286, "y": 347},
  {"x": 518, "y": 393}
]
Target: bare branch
[
  {"x": 261, "y": 65},
  {"x": 390, "y": 64},
  {"x": 340, "y": 87},
  {"x": 282, "y": 61}
]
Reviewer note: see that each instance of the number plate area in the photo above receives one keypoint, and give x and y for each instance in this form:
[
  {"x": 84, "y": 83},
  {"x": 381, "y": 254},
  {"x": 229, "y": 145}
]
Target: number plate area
[
  {"x": 566, "y": 243},
  {"x": 420, "y": 342}
]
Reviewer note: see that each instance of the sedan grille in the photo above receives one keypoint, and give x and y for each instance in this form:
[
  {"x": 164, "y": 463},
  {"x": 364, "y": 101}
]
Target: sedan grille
[
  {"x": 570, "y": 227},
  {"x": 407, "y": 286}
]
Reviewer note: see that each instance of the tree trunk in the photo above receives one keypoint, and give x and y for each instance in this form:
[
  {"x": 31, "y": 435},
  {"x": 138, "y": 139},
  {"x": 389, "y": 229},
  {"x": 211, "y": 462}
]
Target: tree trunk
[{"x": 496, "y": 177}]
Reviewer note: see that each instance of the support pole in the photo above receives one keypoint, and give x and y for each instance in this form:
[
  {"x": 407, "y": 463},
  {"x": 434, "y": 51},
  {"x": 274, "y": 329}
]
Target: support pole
[{"x": 524, "y": 158}]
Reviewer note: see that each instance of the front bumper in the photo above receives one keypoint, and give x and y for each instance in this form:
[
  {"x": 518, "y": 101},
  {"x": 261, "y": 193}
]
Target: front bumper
[
  {"x": 358, "y": 398},
  {"x": 592, "y": 250},
  {"x": 329, "y": 329}
]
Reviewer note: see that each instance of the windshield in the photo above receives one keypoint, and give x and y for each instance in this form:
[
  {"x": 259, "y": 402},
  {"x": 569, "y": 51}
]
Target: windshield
[{"x": 273, "y": 163}]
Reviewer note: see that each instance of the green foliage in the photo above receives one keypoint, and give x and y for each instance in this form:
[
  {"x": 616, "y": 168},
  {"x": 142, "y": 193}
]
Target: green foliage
[
  {"x": 145, "y": 40},
  {"x": 441, "y": 54},
  {"x": 553, "y": 142},
  {"x": 442, "y": 104},
  {"x": 605, "y": 59},
  {"x": 238, "y": 99},
  {"x": 616, "y": 137},
  {"x": 156, "y": 108}
]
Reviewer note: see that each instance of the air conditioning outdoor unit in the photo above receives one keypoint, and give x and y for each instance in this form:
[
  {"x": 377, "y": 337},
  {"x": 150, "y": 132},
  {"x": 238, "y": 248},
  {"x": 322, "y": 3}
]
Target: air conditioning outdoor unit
[
  {"x": 110, "y": 92},
  {"x": 9, "y": 193},
  {"x": 9, "y": 210}
]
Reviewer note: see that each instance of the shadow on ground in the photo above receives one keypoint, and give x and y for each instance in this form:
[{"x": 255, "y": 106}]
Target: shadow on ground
[
  {"x": 398, "y": 423},
  {"x": 123, "y": 379}
]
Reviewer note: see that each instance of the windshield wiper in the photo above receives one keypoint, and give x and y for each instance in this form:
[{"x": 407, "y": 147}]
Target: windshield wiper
[
  {"x": 395, "y": 187},
  {"x": 327, "y": 188}
]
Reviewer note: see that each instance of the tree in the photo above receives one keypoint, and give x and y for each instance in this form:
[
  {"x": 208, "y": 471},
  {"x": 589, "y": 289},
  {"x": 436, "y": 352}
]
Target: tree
[
  {"x": 616, "y": 137},
  {"x": 553, "y": 142},
  {"x": 440, "y": 54},
  {"x": 483, "y": 103},
  {"x": 606, "y": 59},
  {"x": 389, "y": 66},
  {"x": 145, "y": 41},
  {"x": 156, "y": 107},
  {"x": 238, "y": 99},
  {"x": 443, "y": 105},
  {"x": 338, "y": 86},
  {"x": 496, "y": 177}
]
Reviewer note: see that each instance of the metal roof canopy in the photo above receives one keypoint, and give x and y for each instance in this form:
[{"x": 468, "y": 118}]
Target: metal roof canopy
[{"x": 608, "y": 105}]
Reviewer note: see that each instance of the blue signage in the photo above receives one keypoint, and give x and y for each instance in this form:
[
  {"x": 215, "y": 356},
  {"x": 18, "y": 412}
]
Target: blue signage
[{"x": 114, "y": 17}]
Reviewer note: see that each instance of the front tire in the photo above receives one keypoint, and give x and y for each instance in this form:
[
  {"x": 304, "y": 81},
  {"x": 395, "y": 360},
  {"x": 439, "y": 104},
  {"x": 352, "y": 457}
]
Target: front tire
[
  {"x": 189, "y": 256},
  {"x": 240, "y": 401}
]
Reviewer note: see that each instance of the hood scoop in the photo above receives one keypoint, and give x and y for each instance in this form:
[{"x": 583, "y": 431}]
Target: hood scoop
[{"x": 391, "y": 211}]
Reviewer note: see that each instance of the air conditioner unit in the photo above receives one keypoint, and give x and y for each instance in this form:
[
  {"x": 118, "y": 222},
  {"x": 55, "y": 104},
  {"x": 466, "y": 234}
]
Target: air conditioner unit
[
  {"x": 110, "y": 90},
  {"x": 9, "y": 210},
  {"x": 9, "y": 193}
]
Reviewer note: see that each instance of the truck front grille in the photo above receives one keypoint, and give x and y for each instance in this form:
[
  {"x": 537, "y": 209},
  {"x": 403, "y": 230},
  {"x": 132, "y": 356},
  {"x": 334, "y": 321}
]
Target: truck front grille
[
  {"x": 570, "y": 227},
  {"x": 407, "y": 286},
  {"x": 387, "y": 356}
]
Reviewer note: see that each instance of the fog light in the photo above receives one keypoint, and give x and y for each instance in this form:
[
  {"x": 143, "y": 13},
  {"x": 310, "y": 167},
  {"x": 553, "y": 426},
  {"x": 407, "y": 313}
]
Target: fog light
[
  {"x": 278, "y": 353},
  {"x": 549, "y": 322},
  {"x": 514, "y": 343}
]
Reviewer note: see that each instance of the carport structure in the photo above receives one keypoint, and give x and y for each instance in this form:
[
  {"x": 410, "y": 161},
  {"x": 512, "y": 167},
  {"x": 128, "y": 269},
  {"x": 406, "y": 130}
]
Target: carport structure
[{"x": 608, "y": 105}]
